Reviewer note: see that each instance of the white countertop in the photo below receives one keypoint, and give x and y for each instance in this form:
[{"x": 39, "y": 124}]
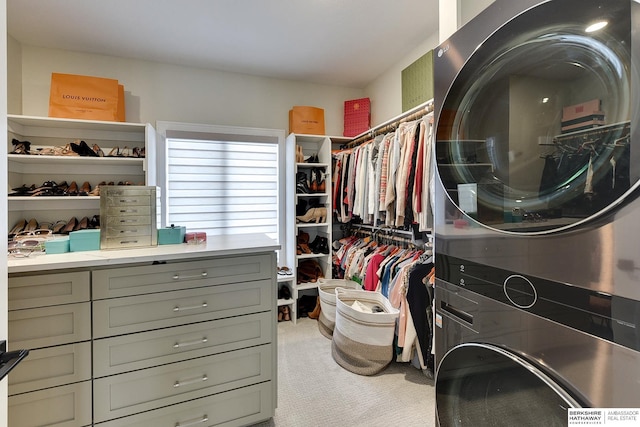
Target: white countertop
[{"x": 216, "y": 246}]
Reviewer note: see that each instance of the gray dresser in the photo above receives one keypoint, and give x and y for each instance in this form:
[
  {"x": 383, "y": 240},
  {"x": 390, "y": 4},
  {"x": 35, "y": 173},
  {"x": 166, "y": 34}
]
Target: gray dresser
[{"x": 182, "y": 340}]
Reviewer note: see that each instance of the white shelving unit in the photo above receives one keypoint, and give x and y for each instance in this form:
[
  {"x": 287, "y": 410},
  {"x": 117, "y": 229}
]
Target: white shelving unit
[
  {"x": 319, "y": 145},
  {"x": 44, "y": 132}
]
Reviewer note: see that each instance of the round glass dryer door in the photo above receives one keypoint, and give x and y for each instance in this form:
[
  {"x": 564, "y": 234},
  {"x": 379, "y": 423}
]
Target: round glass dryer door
[
  {"x": 484, "y": 385},
  {"x": 534, "y": 134}
]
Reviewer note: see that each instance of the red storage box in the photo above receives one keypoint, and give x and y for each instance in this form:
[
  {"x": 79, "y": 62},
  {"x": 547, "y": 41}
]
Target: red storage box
[{"x": 357, "y": 116}]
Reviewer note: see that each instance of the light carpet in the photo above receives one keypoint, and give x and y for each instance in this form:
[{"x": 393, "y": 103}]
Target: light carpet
[{"x": 313, "y": 390}]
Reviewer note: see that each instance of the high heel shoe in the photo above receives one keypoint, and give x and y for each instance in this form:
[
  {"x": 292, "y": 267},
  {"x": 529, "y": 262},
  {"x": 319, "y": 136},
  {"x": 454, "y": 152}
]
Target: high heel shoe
[
  {"x": 72, "y": 190},
  {"x": 58, "y": 227},
  {"x": 125, "y": 152},
  {"x": 115, "y": 152},
  {"x": 31, "y": 225},
  {"x": 18, "y": 227},
  {"x": 96, "y": 149},
  {"x": 85, "y": 189},
  {"x": 71, "y": 225},
  {"x": 83, "y": 224}
]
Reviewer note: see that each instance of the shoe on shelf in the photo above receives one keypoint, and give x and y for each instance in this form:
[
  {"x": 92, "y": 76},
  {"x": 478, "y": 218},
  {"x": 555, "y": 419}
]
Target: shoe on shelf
[
  {"x": 319, "y": 215},
  {"x": 71, "y": 225},
  {"x": 18, "y": 227},
  {"x": 96, "y": 149},
  {"x": 20, "y": 147},
  {"x": 302, "y": 183},
  {"x": 285, "y": 313}
]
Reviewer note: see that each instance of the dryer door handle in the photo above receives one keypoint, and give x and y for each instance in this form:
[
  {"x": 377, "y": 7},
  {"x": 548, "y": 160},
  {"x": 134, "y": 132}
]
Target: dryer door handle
[{"x": 460, "y": 314}]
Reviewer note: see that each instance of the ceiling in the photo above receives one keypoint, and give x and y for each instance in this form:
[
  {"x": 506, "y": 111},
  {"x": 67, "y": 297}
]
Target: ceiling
[{"x": 338, "y": 42}]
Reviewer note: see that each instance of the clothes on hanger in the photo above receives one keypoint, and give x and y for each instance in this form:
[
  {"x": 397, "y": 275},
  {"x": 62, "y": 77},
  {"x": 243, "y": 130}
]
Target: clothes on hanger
[{"x": 385, "y": 180}]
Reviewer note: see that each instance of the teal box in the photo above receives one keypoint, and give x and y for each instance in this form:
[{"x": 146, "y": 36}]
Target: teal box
[
  {"x": 171, "y": 235},
  {"x": 57, "y": 246},
  {"x": 84, "y": 240}
]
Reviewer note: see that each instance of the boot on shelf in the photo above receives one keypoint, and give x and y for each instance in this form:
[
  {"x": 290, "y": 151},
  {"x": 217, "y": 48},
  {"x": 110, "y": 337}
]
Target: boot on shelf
[
  {"x": 302, "y": 183},
  {"x": 319, "y": 215},
  {"x": 301, "y": 207},
  {"x": 316, "y": 311},
  {"x": 299, "y": 154},
  {"x": 313, "y": 181},
  {"x": 321, "y": 186},
  {"x": 303, "y": 243}
]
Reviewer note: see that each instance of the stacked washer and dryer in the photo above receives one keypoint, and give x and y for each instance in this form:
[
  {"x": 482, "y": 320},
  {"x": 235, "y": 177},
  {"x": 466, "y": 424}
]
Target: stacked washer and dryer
[{"x": 537, "y": 234}]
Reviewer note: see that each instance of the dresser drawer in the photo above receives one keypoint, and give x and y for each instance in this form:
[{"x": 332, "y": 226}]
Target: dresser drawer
[
  {"x": 129, "y": 210},
  {"x": 48, "y": 289},
  {"x": 242, "y": 407},
  {"x": 127, "y": 315},
  {"x": 129, "y": 230},
  {"x": 122, "y": 221},
  {"x": 147, "y": 349},
  {"x": 123, "y": 242},
  {"x": 66, "y": 406},
  {"x": 51, "y": 367},
  {"x": 153, "y": 388},
  {"x": 181, "y": 275},
  {"x": 47, "y": 326}
]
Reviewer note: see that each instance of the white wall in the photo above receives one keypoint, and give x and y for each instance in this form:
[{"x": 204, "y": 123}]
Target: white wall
[
  {"x": 155, "y": 91},
  {"x": 385, "y": 91}
]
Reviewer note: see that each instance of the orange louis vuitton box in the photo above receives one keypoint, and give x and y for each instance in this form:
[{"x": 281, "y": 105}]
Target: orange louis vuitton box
[
  {"x": 86, "y": 97},
  {"x": 307, "y": 120}
]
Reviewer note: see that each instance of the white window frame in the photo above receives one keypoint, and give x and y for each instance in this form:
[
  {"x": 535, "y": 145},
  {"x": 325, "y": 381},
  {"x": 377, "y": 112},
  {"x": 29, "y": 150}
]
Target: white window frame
[{"x": 167, "y": 129}]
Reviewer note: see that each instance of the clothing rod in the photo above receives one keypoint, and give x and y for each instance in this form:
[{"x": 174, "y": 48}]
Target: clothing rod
[
  {"x": 414, "y": 113},
  {"x": 381, "y": 229}
]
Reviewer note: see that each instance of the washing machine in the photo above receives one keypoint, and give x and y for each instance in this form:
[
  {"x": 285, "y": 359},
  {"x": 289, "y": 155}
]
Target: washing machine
[{"x": 537, "y": 214}]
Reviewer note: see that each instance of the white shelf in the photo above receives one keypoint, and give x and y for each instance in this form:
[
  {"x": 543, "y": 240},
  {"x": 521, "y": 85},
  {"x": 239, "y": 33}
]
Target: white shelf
[
  {"x": 35, "y": 169},
  {"x": 312, "y": 224},
  {"x": 307, "y": 285},
  {"x": 312, "y": 256},
  {"x": 36, "y": 159}
]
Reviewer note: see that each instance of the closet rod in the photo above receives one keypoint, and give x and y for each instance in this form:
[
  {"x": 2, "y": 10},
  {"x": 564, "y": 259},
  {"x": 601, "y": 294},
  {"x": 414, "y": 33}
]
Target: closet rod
[{"x": 409, "y": 115}]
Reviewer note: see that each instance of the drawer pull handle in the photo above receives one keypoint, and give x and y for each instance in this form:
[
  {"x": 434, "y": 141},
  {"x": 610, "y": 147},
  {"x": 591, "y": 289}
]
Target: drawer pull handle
[
  {"x": 197, "y": 276},
  {"x": 190, "y": 343},
  {"x": 128, "y": 200},
  {"x": 189, "y": 382},
  {"x": 204, "y": 419},
  {"x": 128, "y": 231},
  {"x": 124, "y": 221},
  {"x": 128, "y": 210},
  {"x": 193, "y": 307}
]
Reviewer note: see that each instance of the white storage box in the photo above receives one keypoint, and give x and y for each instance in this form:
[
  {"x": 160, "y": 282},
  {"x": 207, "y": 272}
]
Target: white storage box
[
  {"x": 363, "y": 341},
  {"x": 327, "y": 293}
]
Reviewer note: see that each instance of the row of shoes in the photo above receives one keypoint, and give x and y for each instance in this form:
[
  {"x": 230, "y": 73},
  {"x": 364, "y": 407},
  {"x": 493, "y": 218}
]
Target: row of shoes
[
  {"x": 315, "y": 183},
  {"x": 24, "y": 227},
  {"x": 320, "y": 245},
  {"x": 51, "y": 188},
  {"x": 301, "y": 159},
  {"x": 76, "y": 148}
]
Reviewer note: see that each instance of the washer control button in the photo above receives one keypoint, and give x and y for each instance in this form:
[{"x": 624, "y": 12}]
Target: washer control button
[{"x": 520, "y": 291}]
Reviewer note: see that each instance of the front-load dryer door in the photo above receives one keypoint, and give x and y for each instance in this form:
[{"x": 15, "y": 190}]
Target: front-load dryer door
[
  {"x": 535, "y": 132},
  {"x": 483, "y": 385}
]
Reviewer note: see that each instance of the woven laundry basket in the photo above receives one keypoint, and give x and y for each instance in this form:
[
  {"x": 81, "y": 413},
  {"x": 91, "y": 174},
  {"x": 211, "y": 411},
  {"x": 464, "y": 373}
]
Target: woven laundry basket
[
  {"x": 363, "y": 342},
  {"x": 327, "y": 293}
]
